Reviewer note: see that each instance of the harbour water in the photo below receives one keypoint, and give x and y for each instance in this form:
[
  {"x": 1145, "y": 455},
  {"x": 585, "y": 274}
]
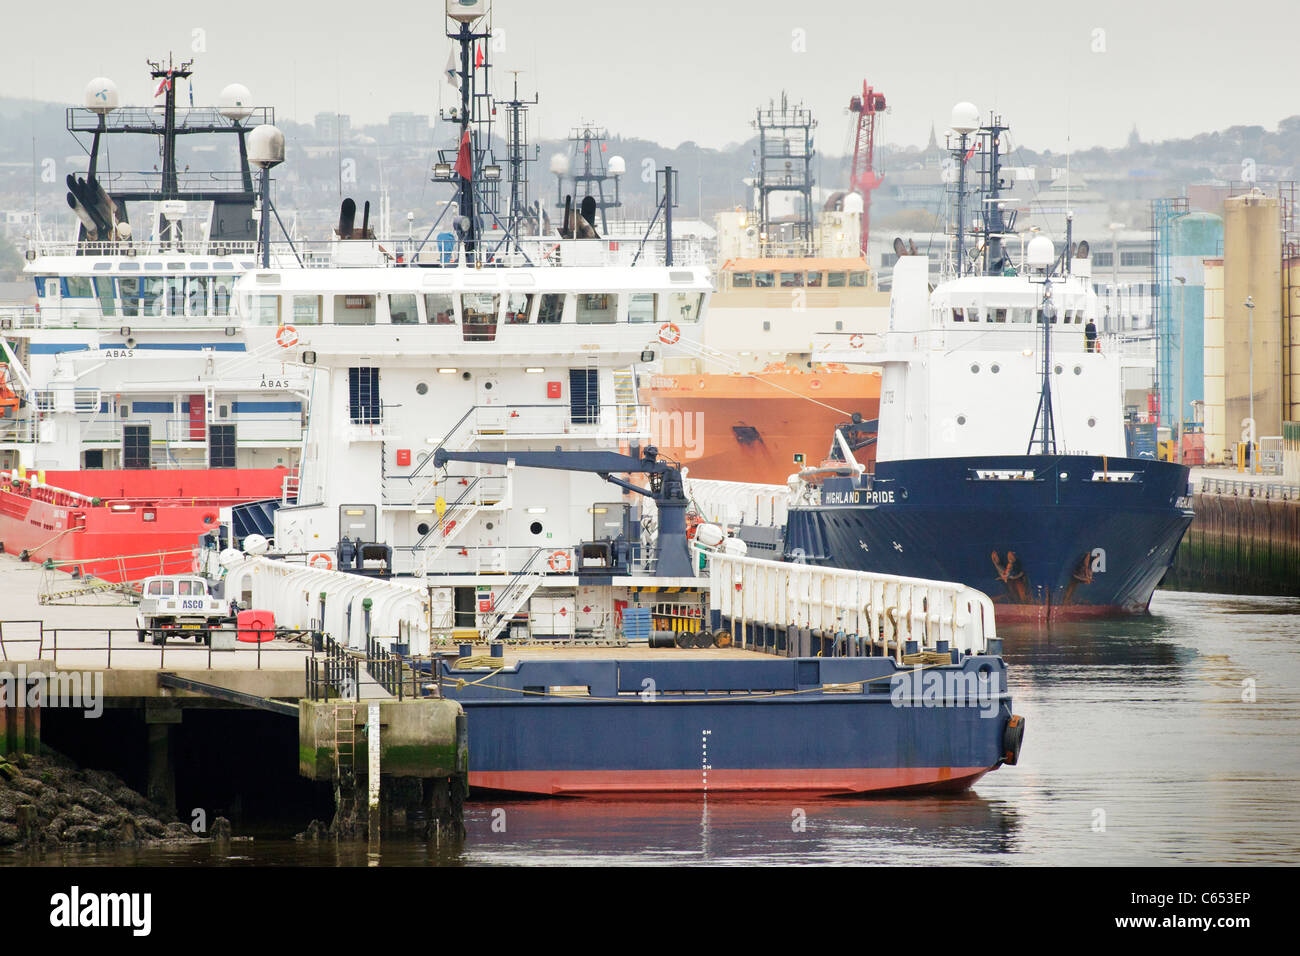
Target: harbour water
[{"x": 1163, "y": 740}]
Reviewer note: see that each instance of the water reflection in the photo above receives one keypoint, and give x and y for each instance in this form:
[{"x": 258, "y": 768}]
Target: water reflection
[{"x": 1164, "y": 739}]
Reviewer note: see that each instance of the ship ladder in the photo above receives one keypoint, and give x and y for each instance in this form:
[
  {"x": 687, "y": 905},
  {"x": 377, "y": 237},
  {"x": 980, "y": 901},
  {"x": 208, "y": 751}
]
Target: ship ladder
[
  {"x": 625, "y": 400},
  {"x": 345, "y": 756}
]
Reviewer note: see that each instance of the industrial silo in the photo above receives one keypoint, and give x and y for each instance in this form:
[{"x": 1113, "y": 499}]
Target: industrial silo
[
  {"x": 1193, "y": 238},
  {"x": 1252, "y": 271}
]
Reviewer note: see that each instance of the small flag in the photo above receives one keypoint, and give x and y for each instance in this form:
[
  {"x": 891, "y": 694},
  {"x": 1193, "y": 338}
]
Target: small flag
[
  {"x": 478, "y": 55},
  {"x": 165, "y": 85},
  {"x": 190, "y": 87},
  {"x": 969, "y": 153},
  {"x": 464, "y": 164},
  {"x": 452, "y": 71}
]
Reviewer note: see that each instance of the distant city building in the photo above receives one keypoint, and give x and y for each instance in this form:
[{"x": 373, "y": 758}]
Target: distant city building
[
  {"x": 410, "y": 128},
  {"x": 333, "y": 126}
]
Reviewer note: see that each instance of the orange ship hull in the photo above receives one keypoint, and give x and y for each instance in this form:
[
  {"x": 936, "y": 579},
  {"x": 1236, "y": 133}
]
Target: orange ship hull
[{"x": 749, "y": 428}]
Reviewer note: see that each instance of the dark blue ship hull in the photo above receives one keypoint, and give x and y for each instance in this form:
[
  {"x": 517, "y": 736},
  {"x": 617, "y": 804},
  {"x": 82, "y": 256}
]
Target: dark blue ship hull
[
  {"x": 1076, "y": 536},
  {"x": 734, "y": 725}
]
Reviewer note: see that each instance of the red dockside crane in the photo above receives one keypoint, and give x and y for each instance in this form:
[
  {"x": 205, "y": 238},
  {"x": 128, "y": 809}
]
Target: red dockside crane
[{"x": 863, "y": 177}]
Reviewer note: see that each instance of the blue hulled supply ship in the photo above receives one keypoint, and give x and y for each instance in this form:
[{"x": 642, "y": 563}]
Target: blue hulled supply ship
[
  {"x": 480, "y": 513},
  {"x": 1000, "y": 448}
]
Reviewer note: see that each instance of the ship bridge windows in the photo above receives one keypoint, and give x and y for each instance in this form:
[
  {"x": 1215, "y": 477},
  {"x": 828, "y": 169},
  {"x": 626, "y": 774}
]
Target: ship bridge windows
[
  {"x": 858, "y": 280},
  {"x": 1022, "y": 316},
  {"x": 196, "y": 295},
  {"x": 354, "y": 310},
  {"x": 306, "y": 309},
  {"x": 814, "y": 280},
  {"x": 998, "y": 315},
  {"x": 742, "y": 280},
  {"x": 519, "y": 307},
  {"x": 264, "y": 309},
  {"x": 642, "y": 306},
  {"x": 223, "y": 290},
  {"x": 958, "y": 315},
  {"x": 106, "y": 292},
  {"x": 836, "y": 280},
  {"x": 596, "y": 308},
  {"x": 439, "y": 308},
  {"x": 791, "y": 280},
  {"x": 478, "y": 316},
  {"x": 764, "y": 280},
  {"x": 550, "y": 309},
  {"x": 402, "y": 309},
  {"x": 78, "y": 287},
  {"x": 684, "y": 306}
]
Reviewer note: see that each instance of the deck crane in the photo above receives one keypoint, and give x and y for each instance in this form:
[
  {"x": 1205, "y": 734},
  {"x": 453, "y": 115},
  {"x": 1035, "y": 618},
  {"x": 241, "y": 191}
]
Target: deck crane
[{"x": 863, "y": 177}]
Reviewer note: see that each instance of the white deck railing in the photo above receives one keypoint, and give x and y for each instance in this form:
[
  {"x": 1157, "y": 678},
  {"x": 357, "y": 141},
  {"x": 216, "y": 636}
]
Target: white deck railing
[{"x": 883, "y": 609}]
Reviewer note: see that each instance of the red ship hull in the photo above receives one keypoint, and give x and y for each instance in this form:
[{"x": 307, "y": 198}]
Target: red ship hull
[{"x": 123, "y": 525}]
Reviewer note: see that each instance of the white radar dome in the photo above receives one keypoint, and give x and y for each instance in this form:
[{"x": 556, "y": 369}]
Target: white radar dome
[
  {"x": 256, "y": 544},
  {"x": 617, "y": 166},
  {"x": 266, "y": 146},
  {"x": 965, "y": 118},
  {"x": 101, "y": 95},
  {"x": 1040, "y": 253},
  {"x": 853, "y": 203},
  {"x": 236, "y": 102},
  {"x": 709, "y": 535},
  {"x": 559, "y": 164}
]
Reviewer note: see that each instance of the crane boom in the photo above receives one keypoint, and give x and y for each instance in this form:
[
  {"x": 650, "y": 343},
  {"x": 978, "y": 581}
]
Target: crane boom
[{"x": 863, "y": 177}]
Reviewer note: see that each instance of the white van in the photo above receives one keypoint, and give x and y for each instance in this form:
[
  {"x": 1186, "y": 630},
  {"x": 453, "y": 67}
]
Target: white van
[{"x": 180, "y": 603}]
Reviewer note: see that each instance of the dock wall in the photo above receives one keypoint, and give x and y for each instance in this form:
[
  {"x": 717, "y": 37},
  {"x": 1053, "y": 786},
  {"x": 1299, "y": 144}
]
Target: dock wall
[{"x": 1240, "y": 544}]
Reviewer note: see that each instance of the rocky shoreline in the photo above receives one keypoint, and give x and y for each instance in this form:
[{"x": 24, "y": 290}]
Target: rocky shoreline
[{"x": 48, "y": 802}]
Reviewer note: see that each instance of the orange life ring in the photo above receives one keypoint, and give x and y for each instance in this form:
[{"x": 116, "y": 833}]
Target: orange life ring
[
  {"x": 669, "y": 334},
  {"x": 560, "y": 561},
  {"x": 321, "y": 560},
  {"x": 857, "y": 340},
  {"x": 286, "y": 336}
]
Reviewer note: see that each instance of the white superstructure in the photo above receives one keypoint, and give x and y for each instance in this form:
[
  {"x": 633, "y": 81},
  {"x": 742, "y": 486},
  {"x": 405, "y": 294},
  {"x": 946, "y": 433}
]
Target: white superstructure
[{"x": 963, "y": 366}]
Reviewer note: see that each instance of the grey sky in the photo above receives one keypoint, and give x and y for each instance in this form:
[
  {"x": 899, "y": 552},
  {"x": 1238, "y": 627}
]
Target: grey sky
[{"x": 673, "y": 70}]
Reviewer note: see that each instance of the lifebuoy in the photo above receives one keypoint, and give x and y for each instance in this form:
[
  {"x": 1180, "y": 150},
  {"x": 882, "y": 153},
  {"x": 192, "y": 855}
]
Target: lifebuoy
[
  {"x": 857, "y": 340},
  {"x": 321, "y": 560},
  {"x": 669, "y": 334},
  {"x": 286, "y": 336},
  {"x": 560, "y": 561}
]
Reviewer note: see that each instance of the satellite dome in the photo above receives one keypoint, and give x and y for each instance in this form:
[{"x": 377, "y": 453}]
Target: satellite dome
[
  {"x": 559, "y": 164},
  {"x": 266, "y": 146},
  {"x": 123, "y": 230},
  {"x": 101, "y": 95},
  {"x": 236, "y": 102},
  {"x": 853, "y": 203},
  {"x": 1040, "y": 253},
  {"x": 965, "y": 118},
  {"x": 617, "y": 167}
]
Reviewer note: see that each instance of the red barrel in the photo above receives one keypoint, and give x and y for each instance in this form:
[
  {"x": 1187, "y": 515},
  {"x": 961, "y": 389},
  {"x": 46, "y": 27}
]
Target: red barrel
[{"x": 255, "y": 627}]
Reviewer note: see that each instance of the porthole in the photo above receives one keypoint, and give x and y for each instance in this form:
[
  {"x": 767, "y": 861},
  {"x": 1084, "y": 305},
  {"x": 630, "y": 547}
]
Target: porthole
[
  {"x": 1078, "y": 370},
  {"x": 961, "y": 419},
  {"x": 975, "y": 368},
  {"x": 995, "y": 368},
  {"x": 422, "y": 528},
  {"x": 1059, "y": 370},
  {"x": 535, "y": 527},
  {"x": 490, "y": 526},
  {"x": 1092, "y": 423},
  {"x": 1065, "y": 476},
  {"x": 422, "y": 389}
]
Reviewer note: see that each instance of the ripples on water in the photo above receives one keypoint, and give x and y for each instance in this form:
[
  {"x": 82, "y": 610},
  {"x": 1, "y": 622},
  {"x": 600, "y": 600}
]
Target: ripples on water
[{"x": 1139, "y": 750}]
